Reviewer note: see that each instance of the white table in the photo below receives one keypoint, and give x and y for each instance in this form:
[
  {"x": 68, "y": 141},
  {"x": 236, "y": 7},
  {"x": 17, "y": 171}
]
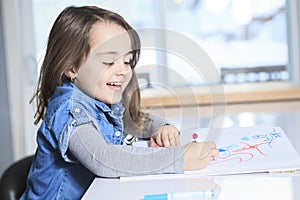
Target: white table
[{"x": 237, "y": 187}]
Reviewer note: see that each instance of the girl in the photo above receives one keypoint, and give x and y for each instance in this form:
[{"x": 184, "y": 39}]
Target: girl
[{"x": 87, "y": 83}]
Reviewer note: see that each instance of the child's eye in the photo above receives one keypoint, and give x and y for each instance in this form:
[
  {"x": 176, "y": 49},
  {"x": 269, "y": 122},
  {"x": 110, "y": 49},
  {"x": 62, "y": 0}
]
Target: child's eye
[
  {"x": 127, "y": 63},
  {"x": 108, "y": 63}
]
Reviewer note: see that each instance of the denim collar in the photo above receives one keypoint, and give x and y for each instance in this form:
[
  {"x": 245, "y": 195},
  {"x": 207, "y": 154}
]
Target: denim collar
[{"x": 115, "y": 109}]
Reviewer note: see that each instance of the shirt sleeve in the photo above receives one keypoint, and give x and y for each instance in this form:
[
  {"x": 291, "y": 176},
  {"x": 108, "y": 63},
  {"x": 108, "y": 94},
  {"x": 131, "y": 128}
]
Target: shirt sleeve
[
  {"x": 88, "y": 146},
  {"x": 155, "y": 123}
]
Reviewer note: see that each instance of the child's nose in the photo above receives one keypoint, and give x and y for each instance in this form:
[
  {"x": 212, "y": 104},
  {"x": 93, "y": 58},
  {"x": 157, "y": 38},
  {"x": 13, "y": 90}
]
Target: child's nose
[{"x": 122, "y": 67}]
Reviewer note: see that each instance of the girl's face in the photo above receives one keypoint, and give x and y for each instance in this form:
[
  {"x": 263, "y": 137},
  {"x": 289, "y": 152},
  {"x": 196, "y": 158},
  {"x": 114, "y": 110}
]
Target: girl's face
[{"x": 107, "y": 71}]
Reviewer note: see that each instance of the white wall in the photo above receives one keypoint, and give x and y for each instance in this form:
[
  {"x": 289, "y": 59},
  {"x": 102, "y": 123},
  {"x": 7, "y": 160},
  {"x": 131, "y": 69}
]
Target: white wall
[
  {"x": 19, "y": 47},
  {"x": 5, "y": 139}
]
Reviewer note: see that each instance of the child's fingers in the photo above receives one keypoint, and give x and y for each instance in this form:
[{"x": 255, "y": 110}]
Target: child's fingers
[
  {"x": 158, "y": 139},
  {"x": 165, "y": 139},
  {"x": 172, "y": 140},
  {"x": 167, "y": 136},
  {"x": 170, "y": 136},
  {"x": 177, "y": 140},
  {"x": 153, "y": 143}
]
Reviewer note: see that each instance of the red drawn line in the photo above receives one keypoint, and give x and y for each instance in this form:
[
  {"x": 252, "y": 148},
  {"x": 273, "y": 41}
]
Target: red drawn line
[
  {"x": 249, "y": 147},
  {"x": 241, "y": 157}
]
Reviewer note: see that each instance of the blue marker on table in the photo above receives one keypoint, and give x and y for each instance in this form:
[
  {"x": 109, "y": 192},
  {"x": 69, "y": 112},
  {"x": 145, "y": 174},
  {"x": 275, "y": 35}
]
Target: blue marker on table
[{"x": 192, "y": 195}]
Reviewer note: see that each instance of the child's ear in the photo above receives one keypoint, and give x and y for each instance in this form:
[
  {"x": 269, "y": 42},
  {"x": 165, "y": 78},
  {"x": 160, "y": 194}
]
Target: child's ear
[{"x": 71, "y": 73}]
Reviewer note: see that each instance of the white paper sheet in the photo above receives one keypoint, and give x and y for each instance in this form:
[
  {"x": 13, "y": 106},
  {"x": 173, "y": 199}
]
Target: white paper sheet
[
  {"x": 252, "y": 149},
  {"x": 243, "y": 150}
]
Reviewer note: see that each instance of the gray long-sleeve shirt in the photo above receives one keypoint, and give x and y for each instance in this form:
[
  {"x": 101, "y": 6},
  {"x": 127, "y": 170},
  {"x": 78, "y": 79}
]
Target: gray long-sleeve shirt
[{"x": 108, "y": 160}]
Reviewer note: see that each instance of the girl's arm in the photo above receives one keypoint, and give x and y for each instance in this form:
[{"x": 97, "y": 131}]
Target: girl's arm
[{"x": 88, "y": 146}]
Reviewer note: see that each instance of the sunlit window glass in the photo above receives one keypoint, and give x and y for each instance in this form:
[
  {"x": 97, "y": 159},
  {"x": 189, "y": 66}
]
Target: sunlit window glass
[{"x": 247, "y": 39}]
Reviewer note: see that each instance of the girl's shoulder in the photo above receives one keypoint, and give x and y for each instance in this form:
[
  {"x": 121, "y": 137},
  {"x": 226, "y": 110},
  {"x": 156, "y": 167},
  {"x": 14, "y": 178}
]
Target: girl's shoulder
[
  {"x": 60, "y": 100},
  {"x": 67, "y": 98}
]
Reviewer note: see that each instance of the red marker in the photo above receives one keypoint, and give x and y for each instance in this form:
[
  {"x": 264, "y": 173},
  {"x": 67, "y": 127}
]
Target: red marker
[{"x": 195, "y": 136}]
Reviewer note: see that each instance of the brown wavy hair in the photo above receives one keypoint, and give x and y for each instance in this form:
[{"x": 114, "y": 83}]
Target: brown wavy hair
[{"x": 69, "y": 45}]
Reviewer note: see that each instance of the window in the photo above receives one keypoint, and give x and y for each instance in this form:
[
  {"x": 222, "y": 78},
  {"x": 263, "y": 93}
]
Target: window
[{"x": 246, "y": 39}]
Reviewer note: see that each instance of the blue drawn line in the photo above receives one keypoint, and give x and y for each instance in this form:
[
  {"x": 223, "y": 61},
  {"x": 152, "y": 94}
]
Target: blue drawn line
[{"x": 269, "y": 137}]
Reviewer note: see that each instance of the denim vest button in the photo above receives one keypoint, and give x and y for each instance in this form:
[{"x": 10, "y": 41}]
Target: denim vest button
[
  {"x": 77, "y": 110},
  {"x": 118, "y": 133}
]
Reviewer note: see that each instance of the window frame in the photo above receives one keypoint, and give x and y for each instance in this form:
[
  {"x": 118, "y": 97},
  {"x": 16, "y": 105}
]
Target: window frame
[{"x": 293, "y": 24}]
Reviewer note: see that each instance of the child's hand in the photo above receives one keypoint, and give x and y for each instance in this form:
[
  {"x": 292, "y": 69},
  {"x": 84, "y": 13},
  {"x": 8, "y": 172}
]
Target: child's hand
[
  {"x": 166, "y": 136},
  {"x": 198, "y": 155}
]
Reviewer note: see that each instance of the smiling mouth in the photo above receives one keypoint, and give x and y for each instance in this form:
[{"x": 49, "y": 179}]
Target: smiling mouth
[{"x": 116, "y": 85}]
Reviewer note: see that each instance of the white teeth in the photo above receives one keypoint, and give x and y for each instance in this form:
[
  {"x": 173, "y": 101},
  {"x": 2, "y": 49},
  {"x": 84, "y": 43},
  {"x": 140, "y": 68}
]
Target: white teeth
[{"x": 115, "y": 83}]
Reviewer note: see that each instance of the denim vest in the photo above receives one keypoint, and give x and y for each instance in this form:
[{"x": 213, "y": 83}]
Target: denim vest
[{"x": 55, "y": 174}]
